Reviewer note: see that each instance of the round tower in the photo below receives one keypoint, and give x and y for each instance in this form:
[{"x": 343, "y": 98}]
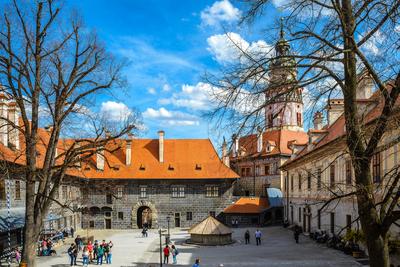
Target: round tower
[{"x": 284, "y": 102}]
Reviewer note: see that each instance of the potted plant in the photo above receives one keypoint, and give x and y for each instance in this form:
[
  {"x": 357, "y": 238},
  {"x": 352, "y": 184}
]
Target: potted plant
[{"x": 352, "y": 238}]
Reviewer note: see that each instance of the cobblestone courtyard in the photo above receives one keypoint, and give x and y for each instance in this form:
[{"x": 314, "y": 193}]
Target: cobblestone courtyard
[{"x": 277, "y": 249}]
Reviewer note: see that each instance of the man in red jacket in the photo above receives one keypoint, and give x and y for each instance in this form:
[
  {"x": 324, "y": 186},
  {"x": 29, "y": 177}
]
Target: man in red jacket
[{"x": 166, "y": 254}]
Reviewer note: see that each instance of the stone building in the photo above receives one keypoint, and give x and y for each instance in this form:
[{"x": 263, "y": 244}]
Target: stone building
[
  {"x": 258, "y": 157},
  {"x": 322, "y": 167},
  {"x": 12, "y": 184},
  {"x": 155, "y": 180}
]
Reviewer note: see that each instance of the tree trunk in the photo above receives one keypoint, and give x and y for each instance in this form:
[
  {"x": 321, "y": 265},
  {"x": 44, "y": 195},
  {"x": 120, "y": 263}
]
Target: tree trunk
[
  {"x": 376, "y": 244},
  {"x": 378, "y": 251},
  {"x": 32, "y": 230}
]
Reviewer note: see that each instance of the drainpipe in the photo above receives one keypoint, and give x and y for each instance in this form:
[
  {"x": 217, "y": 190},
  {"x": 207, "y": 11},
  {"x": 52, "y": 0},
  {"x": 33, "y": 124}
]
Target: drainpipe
[
  {"x": 254, "y": 178},
  {"x": 287, "y": 195}
]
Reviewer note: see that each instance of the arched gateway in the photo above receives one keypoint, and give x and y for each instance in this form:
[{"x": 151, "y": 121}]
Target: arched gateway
[{"x": 144, "y": 212}]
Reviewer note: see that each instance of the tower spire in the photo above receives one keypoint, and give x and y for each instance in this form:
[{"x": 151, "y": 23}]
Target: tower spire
[{"x": 282, "y": 33}]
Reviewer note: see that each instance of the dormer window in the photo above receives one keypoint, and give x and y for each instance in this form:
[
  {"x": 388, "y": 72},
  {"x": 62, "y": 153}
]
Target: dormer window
[
  {"x": 198, "y": 167},
  {"x": 116, "y": 167},
  {"x": 170, "y": 167},
  {"x": 142, "y": 167}
]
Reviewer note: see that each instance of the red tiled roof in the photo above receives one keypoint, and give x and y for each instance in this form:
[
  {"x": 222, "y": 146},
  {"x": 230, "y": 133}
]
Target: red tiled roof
[
  {"x": 280, "y": 138},
  {"x": 248, "y": 205},
  {"x": 183, "y": 159},
  {"x": 181, "y": 156}
]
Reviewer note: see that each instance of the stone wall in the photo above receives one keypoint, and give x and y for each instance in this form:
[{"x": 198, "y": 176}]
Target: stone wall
[{"x": 159, "y": 199}]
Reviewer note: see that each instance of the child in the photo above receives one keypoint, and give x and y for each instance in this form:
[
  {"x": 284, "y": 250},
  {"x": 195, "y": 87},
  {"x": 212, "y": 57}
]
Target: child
[
  {"x": 17, "y": 256},
  {"x": 85, "y": 256}
]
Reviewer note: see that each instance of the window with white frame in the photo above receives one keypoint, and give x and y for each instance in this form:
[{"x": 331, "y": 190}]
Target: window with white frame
[
  {"x": 64, "y": 192},
  {"x": 212, "y": 191},
  {"x": 120, "y": 192},
  {"x": 178, "y": 191},
  {"x": 143, "y": 191}
]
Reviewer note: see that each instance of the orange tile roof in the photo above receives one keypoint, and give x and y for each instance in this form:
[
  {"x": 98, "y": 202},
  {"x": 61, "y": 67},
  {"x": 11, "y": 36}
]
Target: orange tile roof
[
  {"x": 183, "y": 159},
  {"x": 181, "y": 156},
  {"x": 248, "y": 205},
  {"x": 280, "y": 138}
]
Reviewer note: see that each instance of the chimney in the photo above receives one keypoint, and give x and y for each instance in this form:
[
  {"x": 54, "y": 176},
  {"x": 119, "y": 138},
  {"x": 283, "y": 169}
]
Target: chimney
[
  {"x": 100, "y": 159},
  {"x": 259, "y": 139},
  {"x": 235, "y": 141},
  {"x": 3, "y": 120},
  {"x": 13, "y": 132},
  {"x": 225, "y": 156},
  {"x": 107, "y": 133},
  {"x": 317, "y": 121},
  {"x": 365, "y": 85},
  {"x": 334, "y": 109},
  {"x": 161, "y": 146},
  {"x": 128, "y": 152}
]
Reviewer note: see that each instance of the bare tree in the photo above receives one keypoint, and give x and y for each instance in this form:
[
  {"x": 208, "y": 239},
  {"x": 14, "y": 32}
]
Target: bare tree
[
  {"x": 54, "y": 66},
  {"x": 334, "y": 42}
]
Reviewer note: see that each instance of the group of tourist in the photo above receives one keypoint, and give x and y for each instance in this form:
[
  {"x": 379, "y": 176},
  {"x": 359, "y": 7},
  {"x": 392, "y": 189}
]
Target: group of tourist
[
  {"x": 257, "y": 235},
  {"x": 96, "y": 252},
  {"x": 170, "y": 251},
  {"x": 46, "y": 247}
]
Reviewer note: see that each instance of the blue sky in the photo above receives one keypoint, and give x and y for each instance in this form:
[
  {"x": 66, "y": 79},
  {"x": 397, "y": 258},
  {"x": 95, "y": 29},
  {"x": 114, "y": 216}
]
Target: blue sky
[{"x": 170, "y": 44}]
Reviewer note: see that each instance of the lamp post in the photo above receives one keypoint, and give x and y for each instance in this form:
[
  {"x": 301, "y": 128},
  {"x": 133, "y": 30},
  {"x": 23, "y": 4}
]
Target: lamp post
[
  {"x": 160, "y": 232},
  {"x": 167, "y": 237}
]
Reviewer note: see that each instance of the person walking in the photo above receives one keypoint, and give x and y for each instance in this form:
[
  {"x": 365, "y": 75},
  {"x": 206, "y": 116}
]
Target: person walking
[
  {"x": 17, "y": 256},
  {"x": 72, "y": 253},
  {"x": 95, "y": 247},
  {"x": 85, "y": 256},
  {"x": 166, "y": 254},
  {"x": 100, "y": 255},
  {"x": 247, "y": 237},
  {"x": 109, "y": 252},
  {"x": 296, "y": 233},
  {"x": 196, "y": 263},
  {"x": 258, "y": 237},
  {"x": 90, "y": 250},
  {"x": 174, "y": 252},
  {"x": 72, "y": 232},
  {"x": 78, "y": 242}
]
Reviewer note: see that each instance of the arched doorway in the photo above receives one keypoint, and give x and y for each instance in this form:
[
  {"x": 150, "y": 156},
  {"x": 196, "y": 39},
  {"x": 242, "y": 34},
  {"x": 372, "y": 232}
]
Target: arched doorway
[{"x": 144, "y": 216}]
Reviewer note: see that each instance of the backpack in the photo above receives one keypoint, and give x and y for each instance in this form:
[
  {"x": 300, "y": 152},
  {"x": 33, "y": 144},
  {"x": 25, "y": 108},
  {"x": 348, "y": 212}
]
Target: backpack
[{"x": 176, "y": 252}]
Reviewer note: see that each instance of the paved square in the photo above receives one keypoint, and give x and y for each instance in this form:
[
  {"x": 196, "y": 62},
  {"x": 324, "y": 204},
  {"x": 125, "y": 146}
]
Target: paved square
[{"x": 277, "y": 250}]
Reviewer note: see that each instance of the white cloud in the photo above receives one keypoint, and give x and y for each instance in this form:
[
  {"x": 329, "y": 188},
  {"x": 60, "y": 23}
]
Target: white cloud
[
  {"x": 228, "y": 48},
  {"x": 115, "y": 111},
  {"x": 220, "y": 11},
  {"x": 194, "y": 97},
  {"x": 172, "y": 118},
  {"x": 204, "y": 96},
  {"x": 374, "y": 43},
  {"x": 166, "y": 87},
  {"x": 280, "y": 3},
  {"x": 151, "y": 90}
]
